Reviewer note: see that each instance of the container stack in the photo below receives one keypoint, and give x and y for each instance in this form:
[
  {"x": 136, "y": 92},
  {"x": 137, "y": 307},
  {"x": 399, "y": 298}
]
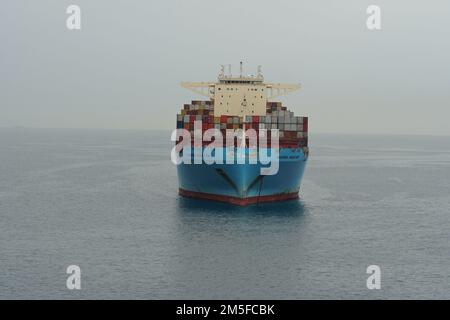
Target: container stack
[{"x": 293, "y": 130}]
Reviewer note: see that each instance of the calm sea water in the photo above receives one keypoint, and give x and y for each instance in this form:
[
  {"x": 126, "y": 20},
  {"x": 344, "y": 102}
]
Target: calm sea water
[{"x": 107, "y": 201}]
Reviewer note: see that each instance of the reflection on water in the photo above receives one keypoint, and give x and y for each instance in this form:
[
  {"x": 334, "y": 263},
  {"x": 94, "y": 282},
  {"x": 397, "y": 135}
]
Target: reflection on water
[
  {"x": 211, "y": 215},
  {"x": 290, "y": 208},
  {"x": 223, "y": 246}
]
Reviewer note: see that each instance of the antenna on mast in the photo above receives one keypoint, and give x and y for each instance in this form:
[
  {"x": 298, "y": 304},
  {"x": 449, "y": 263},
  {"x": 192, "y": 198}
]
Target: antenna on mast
[
  {"x": 241, "y": 69},
  {"x": 259, "y": 75}
]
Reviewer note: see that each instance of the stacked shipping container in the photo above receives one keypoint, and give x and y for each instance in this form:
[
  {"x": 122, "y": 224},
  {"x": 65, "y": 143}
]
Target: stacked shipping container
[{"x": 293, "y": 130}]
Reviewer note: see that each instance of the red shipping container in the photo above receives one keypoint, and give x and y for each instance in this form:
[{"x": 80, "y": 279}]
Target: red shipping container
[
  {"x": 305, "y": 124},
  {"x": 255, "y": 119},
  {"x": 223, "y": 119}
]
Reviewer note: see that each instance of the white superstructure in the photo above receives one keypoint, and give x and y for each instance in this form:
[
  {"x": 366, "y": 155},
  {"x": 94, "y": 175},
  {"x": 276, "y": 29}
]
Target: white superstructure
[{"x": 242, "y": 95}]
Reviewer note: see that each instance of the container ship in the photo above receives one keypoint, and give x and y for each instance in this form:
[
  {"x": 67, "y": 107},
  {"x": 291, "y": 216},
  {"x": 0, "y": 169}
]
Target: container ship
[{"x": 242, "y": 102}]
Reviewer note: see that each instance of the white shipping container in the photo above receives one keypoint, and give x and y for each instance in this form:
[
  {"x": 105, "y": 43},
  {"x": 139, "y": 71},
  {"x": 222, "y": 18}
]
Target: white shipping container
[
  {"x": 186, "y": 118},
  {"x": 274, "y": 126}
]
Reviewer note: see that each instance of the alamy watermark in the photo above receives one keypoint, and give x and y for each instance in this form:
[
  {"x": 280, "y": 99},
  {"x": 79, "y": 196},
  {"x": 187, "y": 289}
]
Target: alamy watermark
[
  {"x": 73, "y": 282},
  {"x": 374, "y": 280},
  {"x": 374, "y": 20},
  {"x": 73, "y": 22},
  {"x": 213, "y": 153}
]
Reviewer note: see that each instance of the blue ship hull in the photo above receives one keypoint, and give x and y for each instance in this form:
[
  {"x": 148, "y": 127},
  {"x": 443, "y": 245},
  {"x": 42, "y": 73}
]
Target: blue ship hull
[{"x": 243, "y": 184}]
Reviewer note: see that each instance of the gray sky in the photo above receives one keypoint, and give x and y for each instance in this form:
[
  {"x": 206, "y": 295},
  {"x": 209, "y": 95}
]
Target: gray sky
[{"x": 123, "y": 68}]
